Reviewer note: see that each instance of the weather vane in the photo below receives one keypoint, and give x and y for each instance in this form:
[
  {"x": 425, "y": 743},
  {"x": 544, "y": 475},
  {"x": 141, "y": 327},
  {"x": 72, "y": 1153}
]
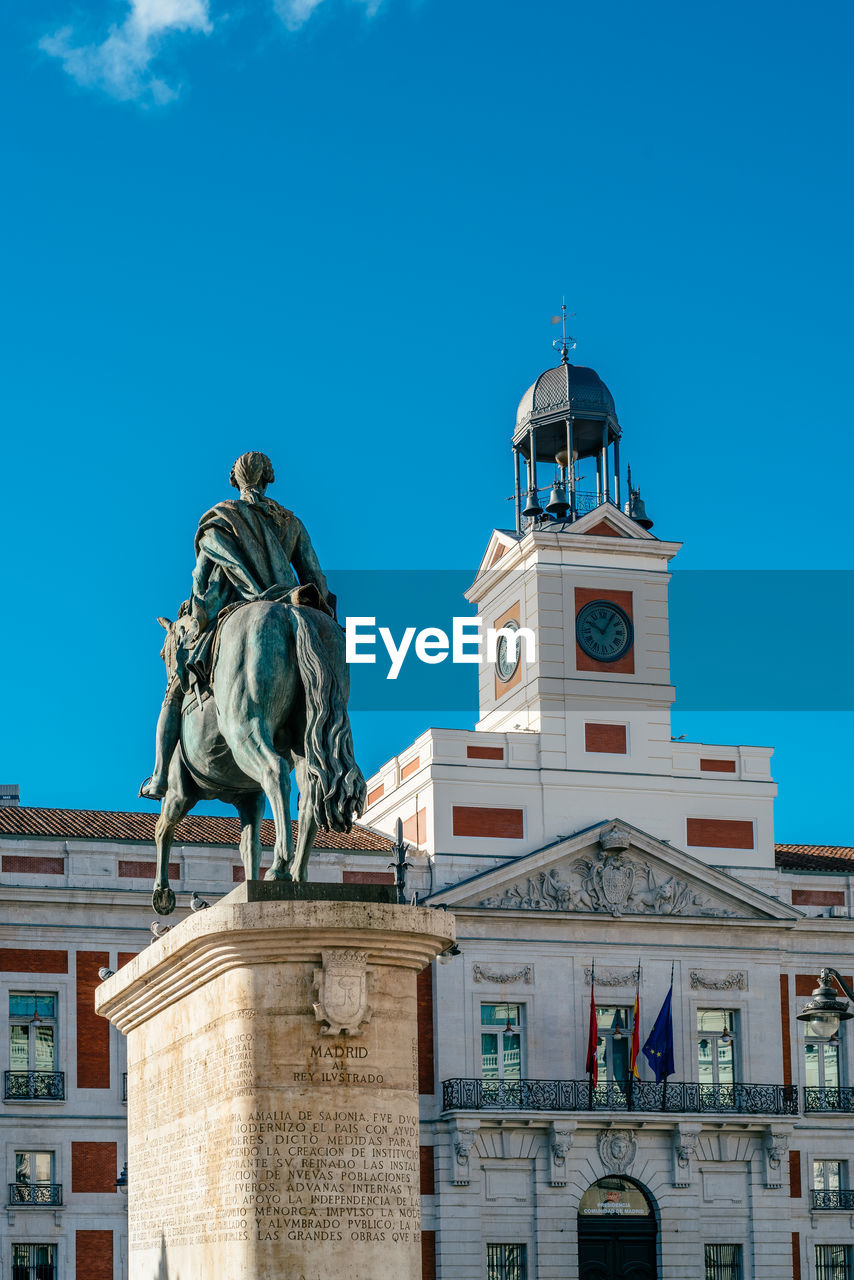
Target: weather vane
[{"x": 566, "y": 342}]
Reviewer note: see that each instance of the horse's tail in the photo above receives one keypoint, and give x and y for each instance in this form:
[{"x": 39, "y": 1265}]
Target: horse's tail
[{"x": 335, "y": 782}]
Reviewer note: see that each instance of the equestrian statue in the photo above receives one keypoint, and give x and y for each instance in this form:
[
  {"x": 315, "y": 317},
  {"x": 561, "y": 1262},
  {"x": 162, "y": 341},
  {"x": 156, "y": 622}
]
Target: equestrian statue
[{"x": 257, "y": 687}]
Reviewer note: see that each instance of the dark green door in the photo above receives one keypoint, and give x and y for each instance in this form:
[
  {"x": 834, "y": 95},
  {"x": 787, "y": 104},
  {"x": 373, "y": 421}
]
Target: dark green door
[{"x": 617, "y": 1232}]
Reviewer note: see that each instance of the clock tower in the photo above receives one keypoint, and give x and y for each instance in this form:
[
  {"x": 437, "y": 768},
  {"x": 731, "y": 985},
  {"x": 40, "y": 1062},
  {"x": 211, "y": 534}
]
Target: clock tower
[
  {"x": 574, "y": 730},
  {"x": 589, "y": 580}
]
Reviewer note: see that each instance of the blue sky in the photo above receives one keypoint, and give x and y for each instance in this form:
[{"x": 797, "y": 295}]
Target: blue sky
[{"x": 336, "y": 232}]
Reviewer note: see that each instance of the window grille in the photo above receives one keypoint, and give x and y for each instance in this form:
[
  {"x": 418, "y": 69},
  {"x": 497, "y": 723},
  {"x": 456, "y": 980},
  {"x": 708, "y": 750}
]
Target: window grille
[
  {"x": 832, "y": 1262},
  {"x": 33, "y": 1262},
  {"x": 723, "y": 1262},
  {"x": 506, "y": 1262}
]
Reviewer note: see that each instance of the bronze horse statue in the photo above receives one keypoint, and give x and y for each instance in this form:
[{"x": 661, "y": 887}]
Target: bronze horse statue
[{"x": 276, "y": 702}]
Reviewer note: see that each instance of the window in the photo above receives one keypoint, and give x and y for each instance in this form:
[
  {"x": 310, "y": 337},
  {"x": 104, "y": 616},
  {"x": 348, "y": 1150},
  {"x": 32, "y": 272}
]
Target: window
[
  {"x": 501, "y": 1041},
  {"x": 822, "y": 1063},
  {"x": 33, "y": 1262},
  {"x": 614, "y": 1045},
  {"x": 32, "y": 1031},
  {"x": 832, "y": 1262},
  {"x": 715, "y": 1046},
  {"x": 723, "y": 1262},
  {"x": 506, "y": 1262},
  {"x": 34, "y": 1178},
  {"x": 828, "y": 1175}
]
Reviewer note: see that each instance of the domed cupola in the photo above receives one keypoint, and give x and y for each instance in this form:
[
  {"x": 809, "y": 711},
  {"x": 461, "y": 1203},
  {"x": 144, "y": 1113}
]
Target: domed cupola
[{"x": 566, "y": 417}]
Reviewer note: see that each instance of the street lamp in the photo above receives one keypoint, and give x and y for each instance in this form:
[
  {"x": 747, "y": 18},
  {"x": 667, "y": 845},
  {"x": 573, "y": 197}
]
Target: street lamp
[
  {"x": 122, "y": 1179},
  {"x": 824, "y": 1011}
]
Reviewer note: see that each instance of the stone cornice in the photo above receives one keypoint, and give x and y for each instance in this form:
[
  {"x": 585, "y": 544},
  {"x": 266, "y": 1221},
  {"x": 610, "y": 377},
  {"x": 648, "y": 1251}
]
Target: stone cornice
[{"x": 240, "y": 935}]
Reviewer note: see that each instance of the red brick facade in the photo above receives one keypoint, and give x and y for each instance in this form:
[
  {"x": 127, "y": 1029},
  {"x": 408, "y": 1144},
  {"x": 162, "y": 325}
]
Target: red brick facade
[
  {"x": 93, "y": 1167},
  {"x": 795, "y": 1186},
  {"x": 94, "y": 1252},
  {"x": 484, "y": 753},
  {"x": 376, "y": 794},
  {"x": 427, "y": 1170},
  {"x": 818, "y": 898},
  {"x": 409, "y": 768},
  {"x": 426, "y": 1071},
  {"x": 367, "y": 877},
  {"x": 806, "y": 983},
  {"x": 93, "y": 1032},
  {"x": 720, "y": 833},
  {"x": 496, "y": 824},
  {"x": 33, "y": 866},
  {"x": 28, "y": 960},
  {"x": 133, "y": 870},
  {"x": 415, "y": 827},
  {"x": 717, "y": 766},
  {"x": 607, "y": 738},
  {"x": 428, "y": 1255}
]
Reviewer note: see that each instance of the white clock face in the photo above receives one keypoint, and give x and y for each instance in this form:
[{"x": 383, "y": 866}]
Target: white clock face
[
  {"x": 505, "y": 666},
  {"x": 603, "y": 630}
]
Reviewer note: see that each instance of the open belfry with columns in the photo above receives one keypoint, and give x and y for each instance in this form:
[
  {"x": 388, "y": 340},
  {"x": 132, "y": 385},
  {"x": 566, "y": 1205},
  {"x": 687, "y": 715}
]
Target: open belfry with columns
[{"x": 583, "y": 852}]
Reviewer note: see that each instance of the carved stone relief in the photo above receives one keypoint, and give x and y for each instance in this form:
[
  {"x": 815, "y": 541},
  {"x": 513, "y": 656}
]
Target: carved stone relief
[
  {"x": 711, "y": 980},
  {"x": 685, "y": 1140},
  {"x": 342, "y": 991},
  {"x": 463, "y": 1138},
  {"x": 525, "y": 974},
  {"x": 560, "y": 1140},
  {"x": 611, "y": 977},
  {"x": 776, "y": 1146},
  {"x": 617, "y": 1149},
  {"x": 608, "y": 882}
]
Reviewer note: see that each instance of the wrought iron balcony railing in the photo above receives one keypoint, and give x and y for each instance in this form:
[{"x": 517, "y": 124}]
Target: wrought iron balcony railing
[
  {"x": 832, "y": 1199},
  {"x": 32, "y": 1086},
  {"x": 35, "y": 1193},
  {"x": 639, "y": 1095},
  {"x": 825, "y": 1099}
]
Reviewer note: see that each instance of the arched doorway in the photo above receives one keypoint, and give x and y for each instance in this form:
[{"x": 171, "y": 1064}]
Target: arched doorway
[{"x": 617, "y": 1232}]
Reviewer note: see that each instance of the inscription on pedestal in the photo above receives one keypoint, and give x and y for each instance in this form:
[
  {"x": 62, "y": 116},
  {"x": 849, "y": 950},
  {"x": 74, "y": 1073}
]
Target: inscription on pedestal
[{"x": 301, "y": 1173}]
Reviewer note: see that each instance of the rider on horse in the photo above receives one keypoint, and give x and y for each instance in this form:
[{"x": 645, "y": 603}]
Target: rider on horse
[{"x": 247, "y": 548}]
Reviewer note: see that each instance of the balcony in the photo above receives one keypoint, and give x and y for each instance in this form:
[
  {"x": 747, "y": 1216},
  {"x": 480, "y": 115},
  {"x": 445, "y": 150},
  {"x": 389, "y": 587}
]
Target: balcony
[
  {"x": 35, "y": 1086},
  {"x": 677, "y": 1097},
  {"x": 35, "y": 1193},
  {"x": 832, "y": 1200},
  {"x": 836, "y": 1099}
]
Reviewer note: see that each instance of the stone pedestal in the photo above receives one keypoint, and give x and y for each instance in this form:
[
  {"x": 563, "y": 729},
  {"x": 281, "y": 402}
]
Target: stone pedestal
[{"x": 272, "y": 1091}]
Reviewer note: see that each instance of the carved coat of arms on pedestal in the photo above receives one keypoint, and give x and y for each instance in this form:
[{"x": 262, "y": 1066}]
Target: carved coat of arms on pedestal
[{"x": 342, "y": 990}]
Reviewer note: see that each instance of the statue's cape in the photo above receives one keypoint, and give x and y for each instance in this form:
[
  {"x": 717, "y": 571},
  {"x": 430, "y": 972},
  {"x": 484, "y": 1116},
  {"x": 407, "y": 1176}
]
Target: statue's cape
[
  {"x": 244, "y": 551},
  {"x": 244, "y": 546}
]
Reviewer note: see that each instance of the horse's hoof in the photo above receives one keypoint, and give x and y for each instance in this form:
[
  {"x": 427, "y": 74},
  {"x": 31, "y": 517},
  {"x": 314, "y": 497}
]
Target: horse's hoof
[
  {"x": 277, "y": 873},
  {"x": 163, "y": 901}
]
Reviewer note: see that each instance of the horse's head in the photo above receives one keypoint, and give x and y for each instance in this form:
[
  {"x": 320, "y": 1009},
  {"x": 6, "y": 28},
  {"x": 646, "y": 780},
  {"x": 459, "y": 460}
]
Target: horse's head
[{"x": 177, "y": 634}]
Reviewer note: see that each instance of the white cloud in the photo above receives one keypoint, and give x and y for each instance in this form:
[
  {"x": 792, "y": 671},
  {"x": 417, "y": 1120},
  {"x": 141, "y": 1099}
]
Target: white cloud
[
  {"x": 296, "y": 12},
  {"x": 121, "y": 64}
]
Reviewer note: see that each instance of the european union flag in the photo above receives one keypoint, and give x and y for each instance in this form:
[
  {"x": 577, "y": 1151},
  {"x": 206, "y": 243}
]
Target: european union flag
[{"x": 658, "y": 1049}]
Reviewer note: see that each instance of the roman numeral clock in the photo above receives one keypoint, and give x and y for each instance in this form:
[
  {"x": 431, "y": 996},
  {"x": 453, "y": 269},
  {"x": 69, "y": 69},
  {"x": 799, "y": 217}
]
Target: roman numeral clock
[{"x": 603, "y": 631}]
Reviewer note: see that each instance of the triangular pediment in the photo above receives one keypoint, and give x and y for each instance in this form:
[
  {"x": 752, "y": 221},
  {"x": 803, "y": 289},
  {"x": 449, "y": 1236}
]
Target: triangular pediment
[
  {"x": 501, "y": 541},
  {"x": 617, "y": 870},
  {"x": 608, "y": 521}
]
